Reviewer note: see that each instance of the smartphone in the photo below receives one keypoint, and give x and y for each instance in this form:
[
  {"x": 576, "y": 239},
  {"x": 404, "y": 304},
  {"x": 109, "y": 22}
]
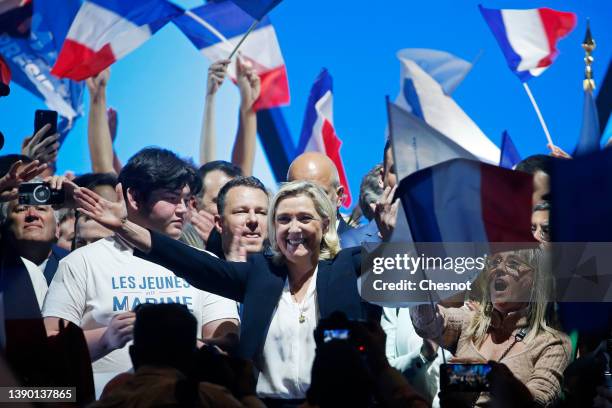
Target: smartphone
[
  {"x": 335, "y": 334},
  {"x": 464, "y": 377},
  {"x": 41, "y": 118}
]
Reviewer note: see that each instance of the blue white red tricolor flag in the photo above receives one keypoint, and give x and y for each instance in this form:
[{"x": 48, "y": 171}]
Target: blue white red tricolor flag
[
  {"x": 528, "y": 38},
  {"x": 30, "y": 37},
  {"x": 468, "y": 201},
  {"x": 256, "y": 8},
  {"x": 424, "y": 97},
  {"x": 510, "y": 156},
  {"x": 105, "y": 31},
  {"x": 216, "y": 30},
  {"x": 318, "y": 133}
]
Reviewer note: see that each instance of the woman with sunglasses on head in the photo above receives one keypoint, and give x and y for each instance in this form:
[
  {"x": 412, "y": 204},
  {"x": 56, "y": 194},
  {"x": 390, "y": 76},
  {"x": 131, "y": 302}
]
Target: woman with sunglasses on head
[{"x": 510, "y": 329}]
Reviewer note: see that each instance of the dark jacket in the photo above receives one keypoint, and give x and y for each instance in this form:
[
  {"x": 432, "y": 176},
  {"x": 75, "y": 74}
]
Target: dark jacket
[{"x": 258, "y": 284}]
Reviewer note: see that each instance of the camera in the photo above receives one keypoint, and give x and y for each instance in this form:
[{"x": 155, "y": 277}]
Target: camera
[
  {"x": 39, "y": 193},
  {"x": 464, "y": 377}
]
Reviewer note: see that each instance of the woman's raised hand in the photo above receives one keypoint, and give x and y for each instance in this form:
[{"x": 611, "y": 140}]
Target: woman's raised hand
[{"x": 112, "y": 215}]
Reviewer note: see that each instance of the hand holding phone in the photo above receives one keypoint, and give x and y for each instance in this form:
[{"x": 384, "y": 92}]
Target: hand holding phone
[
  {"x": 43, "y": 145},
  {"x": 464, "y": 377}
]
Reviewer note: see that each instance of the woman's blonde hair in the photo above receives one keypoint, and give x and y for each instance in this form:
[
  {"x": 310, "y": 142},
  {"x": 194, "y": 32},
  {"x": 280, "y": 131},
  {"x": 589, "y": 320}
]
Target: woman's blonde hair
[
  {"x": 540, "y": 298},
  {"x": 330, "y": 243}
]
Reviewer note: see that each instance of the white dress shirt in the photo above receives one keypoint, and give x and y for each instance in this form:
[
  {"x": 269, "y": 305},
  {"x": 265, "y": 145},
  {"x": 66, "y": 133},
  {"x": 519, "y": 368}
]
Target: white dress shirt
[
  {"x": 37, "y": 276},
  {"x": 289, "y": 348}
]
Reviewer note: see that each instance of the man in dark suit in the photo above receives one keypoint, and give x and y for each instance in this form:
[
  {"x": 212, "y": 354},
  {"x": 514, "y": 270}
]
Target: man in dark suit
[
  {"x": 319, "y": 169},
  {"x": 29, "y": 234}
]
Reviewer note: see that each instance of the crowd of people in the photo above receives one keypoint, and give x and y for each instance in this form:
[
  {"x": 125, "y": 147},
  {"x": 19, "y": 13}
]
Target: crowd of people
[{"x": 162, "y": 283}]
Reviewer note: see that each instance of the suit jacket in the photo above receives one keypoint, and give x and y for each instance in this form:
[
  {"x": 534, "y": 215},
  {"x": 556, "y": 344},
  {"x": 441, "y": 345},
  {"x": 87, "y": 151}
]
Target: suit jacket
[
  {"x": 258, "y": 284},
  {"x": 359, "y": 235},
  {"x": 57, "y": 254},
  {"x": 342, "y": 225}
]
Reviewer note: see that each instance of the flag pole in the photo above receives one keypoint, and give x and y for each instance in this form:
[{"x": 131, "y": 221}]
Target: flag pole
[
  {"x": 537, "y": 109},
  {"x": 387, "y": 104},
  {"x": 251, "y": 28}
]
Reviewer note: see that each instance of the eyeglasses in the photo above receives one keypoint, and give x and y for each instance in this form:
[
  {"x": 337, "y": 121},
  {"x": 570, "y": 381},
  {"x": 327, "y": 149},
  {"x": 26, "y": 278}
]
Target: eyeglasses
[{"x": 509, "y": 263}]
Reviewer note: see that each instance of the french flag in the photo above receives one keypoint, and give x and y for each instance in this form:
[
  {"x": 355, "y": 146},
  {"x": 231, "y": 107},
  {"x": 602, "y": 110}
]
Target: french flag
[
  {"x": 528, "y": 38},
  {"x": 105, "y": 31},
  {"x": 318, "y": 133},
  {"x": 462, "y": 200},
  {"x": 217, "y": 27}
]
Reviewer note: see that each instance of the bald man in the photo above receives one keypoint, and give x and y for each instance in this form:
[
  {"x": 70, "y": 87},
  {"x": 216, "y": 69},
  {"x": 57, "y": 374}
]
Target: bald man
[{"x": 319, "y": 169}]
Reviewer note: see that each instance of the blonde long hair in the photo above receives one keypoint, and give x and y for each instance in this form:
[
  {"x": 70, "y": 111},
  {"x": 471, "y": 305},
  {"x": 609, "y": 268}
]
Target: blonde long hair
[
  {"x": 330, "y": 242},
  {"x": 538, "y": 307}
]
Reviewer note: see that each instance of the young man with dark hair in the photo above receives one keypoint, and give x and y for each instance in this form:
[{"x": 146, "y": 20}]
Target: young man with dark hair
[
  {"x": 242, "y": 206},
  {"x": 98, "y": 286}
]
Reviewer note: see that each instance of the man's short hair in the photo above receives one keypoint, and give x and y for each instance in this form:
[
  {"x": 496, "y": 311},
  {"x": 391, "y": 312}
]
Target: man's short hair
[
  {"x": 164, "y": 334},
  {"x": 370, "y": 191},
  {"x": 7, "y": 160},
  {"x": 230, "y": 170},
  {"x": 252, "y": 182},
  {"x": 155, "y": 168},
  {"x": 534, "y": 163},
  {"x": 93, "y": 180}
]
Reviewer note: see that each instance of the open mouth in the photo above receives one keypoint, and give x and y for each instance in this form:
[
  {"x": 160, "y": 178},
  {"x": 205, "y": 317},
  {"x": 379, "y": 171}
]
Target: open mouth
[
  {"x": 295, "y": 241},
  {"x": 500, "y": 285}
]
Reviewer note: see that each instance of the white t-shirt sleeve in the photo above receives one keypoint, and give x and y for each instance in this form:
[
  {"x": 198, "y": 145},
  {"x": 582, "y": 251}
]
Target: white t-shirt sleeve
[
  {"x": 66, "y": 297},
  {"x": 214, "y": 307}
]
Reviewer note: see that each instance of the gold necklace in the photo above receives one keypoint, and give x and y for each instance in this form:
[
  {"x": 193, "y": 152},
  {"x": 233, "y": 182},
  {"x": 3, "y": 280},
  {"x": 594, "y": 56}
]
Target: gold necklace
[{"x": 302, "y": 318}]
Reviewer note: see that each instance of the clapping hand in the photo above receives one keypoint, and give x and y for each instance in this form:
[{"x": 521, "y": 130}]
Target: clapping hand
[
  {"x": 17, "y": 174},
  {"x": 111, "y": 215},
  {"x": 237, "y": 251},
  {"x": 120, "y": 330}
]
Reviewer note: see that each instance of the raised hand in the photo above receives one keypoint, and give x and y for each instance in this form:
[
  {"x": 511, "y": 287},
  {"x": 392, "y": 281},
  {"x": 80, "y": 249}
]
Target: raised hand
[
  {"x": 17, "y": 174},
  {"x": 97, "y": 84},
  {"x": 203, "y": 223},
  {"x": 237, "y": 252},
  {"x": 385, "y": 213},
  {"x": 556, "y": 151},
  {"x": 216, "y": 75},
  {"x": 119, "y": 331},
  {"x": 39, "y": 147},
  {"x": 111, "y": 215},
  {"x": 249, "y": 84}
]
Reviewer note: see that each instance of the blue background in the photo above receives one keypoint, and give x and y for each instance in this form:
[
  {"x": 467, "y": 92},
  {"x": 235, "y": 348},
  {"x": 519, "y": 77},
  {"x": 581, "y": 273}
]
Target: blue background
[{"x": 158, "y": 89}]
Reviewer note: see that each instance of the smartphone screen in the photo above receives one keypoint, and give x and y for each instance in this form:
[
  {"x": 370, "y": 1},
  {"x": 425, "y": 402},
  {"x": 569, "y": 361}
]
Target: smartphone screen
[
  {"x": 464, "y": 377},
  {"x": 339, "y": 334},
  {"x": 42, "y": 117}
]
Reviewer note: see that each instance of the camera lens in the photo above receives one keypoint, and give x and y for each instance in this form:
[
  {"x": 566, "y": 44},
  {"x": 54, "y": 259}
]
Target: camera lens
[{"x": 42, "y": 194}]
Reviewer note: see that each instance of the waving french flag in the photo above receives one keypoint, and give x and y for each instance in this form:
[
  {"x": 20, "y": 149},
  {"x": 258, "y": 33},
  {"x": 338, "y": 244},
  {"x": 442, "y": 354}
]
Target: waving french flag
[
  {"x": 468, "y": 201},
  {"x": 217, "y": 27},
  {"x": 318, "y": 133},
  {"x": 528, "y": 38},
  {"x": 105, "y": 31}
]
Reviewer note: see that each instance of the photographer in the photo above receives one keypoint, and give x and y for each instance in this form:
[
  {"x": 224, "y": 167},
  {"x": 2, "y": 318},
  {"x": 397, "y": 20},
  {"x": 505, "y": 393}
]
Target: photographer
[{"x": 29, "y": 230}]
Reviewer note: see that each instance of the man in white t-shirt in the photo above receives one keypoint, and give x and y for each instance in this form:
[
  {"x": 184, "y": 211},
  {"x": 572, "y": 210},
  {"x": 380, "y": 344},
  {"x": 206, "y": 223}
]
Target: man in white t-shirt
[{"x": 98, "y": 286}]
